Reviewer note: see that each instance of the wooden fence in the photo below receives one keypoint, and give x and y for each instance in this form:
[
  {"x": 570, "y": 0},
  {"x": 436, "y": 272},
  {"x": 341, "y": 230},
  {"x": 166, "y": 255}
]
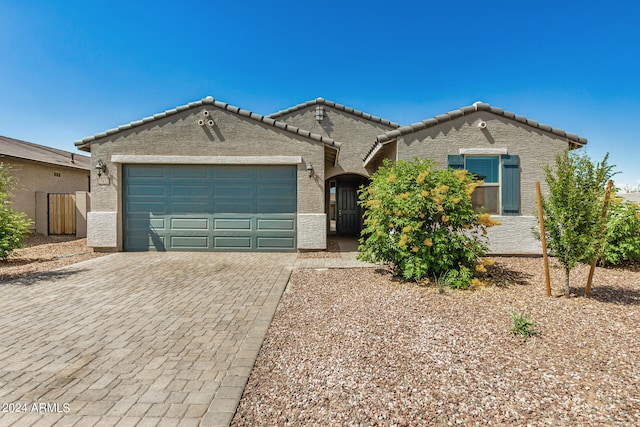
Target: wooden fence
[{"x": 62, "y": 213}]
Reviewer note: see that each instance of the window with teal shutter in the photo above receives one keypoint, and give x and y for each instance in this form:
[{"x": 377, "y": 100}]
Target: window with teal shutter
[
  {"x": 455, "y": 161},
  {"x": 501, "y": 192},
  {"x": 510, "y": 185}
]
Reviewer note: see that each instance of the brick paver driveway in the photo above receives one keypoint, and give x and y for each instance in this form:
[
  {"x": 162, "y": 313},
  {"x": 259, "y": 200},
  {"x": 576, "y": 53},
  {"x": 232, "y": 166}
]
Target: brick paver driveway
[{"x": 136, "y": 338}]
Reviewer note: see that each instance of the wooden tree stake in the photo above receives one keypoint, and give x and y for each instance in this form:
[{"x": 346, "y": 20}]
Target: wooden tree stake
[
  {"x": 603, "y": 220},
  {"x": 544, "y": 239}
]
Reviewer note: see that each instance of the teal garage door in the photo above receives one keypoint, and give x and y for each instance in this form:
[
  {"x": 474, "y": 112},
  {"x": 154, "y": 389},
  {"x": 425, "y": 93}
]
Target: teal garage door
[{"x": 209, "y": 207}]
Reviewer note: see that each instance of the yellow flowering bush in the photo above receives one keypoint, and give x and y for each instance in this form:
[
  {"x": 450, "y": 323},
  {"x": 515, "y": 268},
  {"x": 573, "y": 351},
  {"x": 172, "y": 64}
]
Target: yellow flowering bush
[{"x": 424, "y": 223}]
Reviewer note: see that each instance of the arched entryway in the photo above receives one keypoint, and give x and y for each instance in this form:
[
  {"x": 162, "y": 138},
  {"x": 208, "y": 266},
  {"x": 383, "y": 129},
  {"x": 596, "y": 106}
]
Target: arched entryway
[{"x": 344, "y": 215}]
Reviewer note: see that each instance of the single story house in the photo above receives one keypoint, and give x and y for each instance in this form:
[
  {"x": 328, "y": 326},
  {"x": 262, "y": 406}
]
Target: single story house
[
  {"x": 40, "y": 171},
  {"x": 211, "y": 176}
]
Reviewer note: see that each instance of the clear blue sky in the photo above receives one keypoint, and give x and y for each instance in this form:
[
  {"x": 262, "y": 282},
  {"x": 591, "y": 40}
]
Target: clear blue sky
[{"x": 70, "y": 69}]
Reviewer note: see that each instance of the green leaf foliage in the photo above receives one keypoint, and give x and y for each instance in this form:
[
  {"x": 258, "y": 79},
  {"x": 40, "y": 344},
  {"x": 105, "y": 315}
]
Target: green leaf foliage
[
  {"x": 522, "y": 325},
  {"x": 622, "y": 232},
  {"x": 422, "y": 221},
  {"x": 573, "y": 208},
  {"x": 13, "y": 225}
]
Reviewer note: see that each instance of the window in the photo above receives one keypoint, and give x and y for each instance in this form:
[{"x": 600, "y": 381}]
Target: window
[
  {"x": 487, "y": 196},
  {"x": 500, "y": 193},
  {"x": 332, "y": 206}
]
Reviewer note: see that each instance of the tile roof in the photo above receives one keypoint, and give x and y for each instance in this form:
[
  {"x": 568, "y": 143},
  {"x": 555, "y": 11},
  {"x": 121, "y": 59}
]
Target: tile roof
[
  {"x": 322, "y": 101},
  {"x": 11, "y": 147},
  {"x": 209, "y": 100},
  {"x": 464, "y": 111}
]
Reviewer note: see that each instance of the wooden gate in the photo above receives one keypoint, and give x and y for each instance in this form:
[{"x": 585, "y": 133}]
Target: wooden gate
[{"x": 62, "y": 213}]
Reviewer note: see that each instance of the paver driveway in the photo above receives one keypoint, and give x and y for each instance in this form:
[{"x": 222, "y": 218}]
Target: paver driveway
[{"x": 146, "y": 338}]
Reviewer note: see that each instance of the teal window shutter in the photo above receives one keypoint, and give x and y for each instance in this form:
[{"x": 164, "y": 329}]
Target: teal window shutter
[
  {"x": 455, "y": 161},
  {"x": 510, "y": 185}
]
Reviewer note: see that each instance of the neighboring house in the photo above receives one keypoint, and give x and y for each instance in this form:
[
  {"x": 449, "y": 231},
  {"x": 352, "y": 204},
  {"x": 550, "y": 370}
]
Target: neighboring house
[
  {"x": 210, "y": 176},
  {"x": 40, "y": 171}
]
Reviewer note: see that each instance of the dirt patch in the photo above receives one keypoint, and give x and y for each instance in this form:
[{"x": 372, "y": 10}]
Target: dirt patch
[
  {"x": 356, "y": 347},
  {"x": 45, "y": 253}
]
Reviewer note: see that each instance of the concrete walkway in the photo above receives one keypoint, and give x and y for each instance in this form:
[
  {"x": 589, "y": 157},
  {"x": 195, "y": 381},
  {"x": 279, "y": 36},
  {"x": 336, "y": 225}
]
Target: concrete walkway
[
  {"x": 342, "y": 253},
  {"x": 140, "y": 339}
]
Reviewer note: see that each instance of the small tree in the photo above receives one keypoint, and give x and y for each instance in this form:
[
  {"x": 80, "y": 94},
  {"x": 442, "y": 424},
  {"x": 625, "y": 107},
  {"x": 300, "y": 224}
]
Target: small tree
[
  {"x": 422, "y": 221},
  {"x": 573, "y": 208},
  {"x": 13, "y": 225}
]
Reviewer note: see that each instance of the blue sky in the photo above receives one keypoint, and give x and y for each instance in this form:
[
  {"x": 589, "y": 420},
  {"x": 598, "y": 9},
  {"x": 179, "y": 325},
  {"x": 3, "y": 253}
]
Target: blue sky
[{"x": 70, "y": 69}]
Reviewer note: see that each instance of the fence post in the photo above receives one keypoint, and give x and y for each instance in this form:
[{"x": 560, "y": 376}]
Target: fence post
[
  {"x": 543, "y": 237},
  {"x": 603, "y": 220}
]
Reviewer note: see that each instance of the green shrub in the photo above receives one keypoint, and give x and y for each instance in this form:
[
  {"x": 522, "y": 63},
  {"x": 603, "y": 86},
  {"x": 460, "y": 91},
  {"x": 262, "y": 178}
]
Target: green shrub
[
  {"x": 622, "y": 232},
  {"x": 422, "y": 221},
  {"x": 13, "y": 225},
  {"x": 573, "y": 208},
  {"x": 521, "y": 325}
]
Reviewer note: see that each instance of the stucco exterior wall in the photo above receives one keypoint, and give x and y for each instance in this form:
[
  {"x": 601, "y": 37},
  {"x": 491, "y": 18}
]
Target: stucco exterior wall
[
  {"x": 180, "y": 135},
  {"x": 535, "y": 148},
  {"x": 32, "y": 177},
  {"x": 355, "y": 133}
]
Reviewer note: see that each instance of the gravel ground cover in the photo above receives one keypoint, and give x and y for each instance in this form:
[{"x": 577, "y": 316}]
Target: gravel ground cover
[
  {"x": 356, "y": 347},
  {"x": 45, "y": 253}
]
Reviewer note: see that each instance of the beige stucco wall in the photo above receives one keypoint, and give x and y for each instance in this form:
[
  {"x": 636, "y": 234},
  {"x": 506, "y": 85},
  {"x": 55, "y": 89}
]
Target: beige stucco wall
[
  {"x": 356, "y": 134},
  {"x": 32, "y": 177},
  {"x": 180, "y": 135},
  {"x": 535, "y": 148}
]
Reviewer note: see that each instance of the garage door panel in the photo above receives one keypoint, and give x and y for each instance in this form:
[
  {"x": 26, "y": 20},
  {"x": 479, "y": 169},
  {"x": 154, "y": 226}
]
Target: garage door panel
[
  {"x": 276, "y": 224},
  {"x": 232, "y": 243},
  {"x": 187, "y": 207},
  {"x": 145, "y": 207},
  {"x": 233, "y": 173},
  {"x": 232, "y": 224},
  {"x": 189, "y": 223},
  {"x": 145, "y": 171},
  {"x": 232, "y": 206},
  {"x": 148, "y": 190},
  {"x": 144, "y": 223},
  {"x": 190, "y": 173},
  {"x": 233, "y": 190},
  {"x": 188, "y": 190},
  {"x": 189, "y": 242},
  {"x": 212, "y": 207}
]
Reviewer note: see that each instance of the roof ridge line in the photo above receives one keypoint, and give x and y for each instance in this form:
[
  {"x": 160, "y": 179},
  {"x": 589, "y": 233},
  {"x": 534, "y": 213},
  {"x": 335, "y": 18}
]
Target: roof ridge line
[
  {"x": 210, "y": 100},
  {"x": 322, "y": 101},
  {"x": 476, "y": 107}
]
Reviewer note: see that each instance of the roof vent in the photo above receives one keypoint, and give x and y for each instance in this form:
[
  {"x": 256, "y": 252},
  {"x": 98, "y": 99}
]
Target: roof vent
[{"x": 319, "y": 113}]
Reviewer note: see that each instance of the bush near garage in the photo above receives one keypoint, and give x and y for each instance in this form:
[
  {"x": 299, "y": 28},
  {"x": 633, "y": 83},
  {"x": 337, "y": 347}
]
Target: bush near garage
[{"x": 421, "y": 220}]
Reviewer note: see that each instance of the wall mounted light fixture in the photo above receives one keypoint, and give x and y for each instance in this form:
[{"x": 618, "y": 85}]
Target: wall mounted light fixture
[
  {"x": 101, "y": 167},
  {"x": 310, "y": 169}
]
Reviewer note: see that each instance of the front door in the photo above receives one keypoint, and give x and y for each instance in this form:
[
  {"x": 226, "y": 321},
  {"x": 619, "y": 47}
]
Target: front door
[{"x": 348, "y": 213}]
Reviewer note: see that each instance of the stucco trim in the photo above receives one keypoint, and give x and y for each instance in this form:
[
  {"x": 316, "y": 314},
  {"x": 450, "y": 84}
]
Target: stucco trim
[
  {"x": 489, "y": 151},
  {"x": 206, "y": 160}
]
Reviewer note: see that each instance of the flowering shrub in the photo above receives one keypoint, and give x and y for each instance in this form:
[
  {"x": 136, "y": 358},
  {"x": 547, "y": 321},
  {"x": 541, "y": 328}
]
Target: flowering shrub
[{"x": 422, "y": 221}]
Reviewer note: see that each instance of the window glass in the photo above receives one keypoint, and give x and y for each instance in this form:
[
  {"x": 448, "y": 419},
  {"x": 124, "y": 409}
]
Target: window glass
[
  {"x": 486, "y": 198},
  {"x": 485, "y": 167}
]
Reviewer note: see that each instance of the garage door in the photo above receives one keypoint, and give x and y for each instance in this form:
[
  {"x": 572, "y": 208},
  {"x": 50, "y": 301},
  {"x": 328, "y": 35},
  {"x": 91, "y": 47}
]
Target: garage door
[{"x": 209, "y": 207}]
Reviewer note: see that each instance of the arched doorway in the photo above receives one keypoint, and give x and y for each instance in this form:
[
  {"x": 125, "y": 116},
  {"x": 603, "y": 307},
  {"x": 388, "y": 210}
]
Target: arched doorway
[{"x": 344, "y": 215}]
